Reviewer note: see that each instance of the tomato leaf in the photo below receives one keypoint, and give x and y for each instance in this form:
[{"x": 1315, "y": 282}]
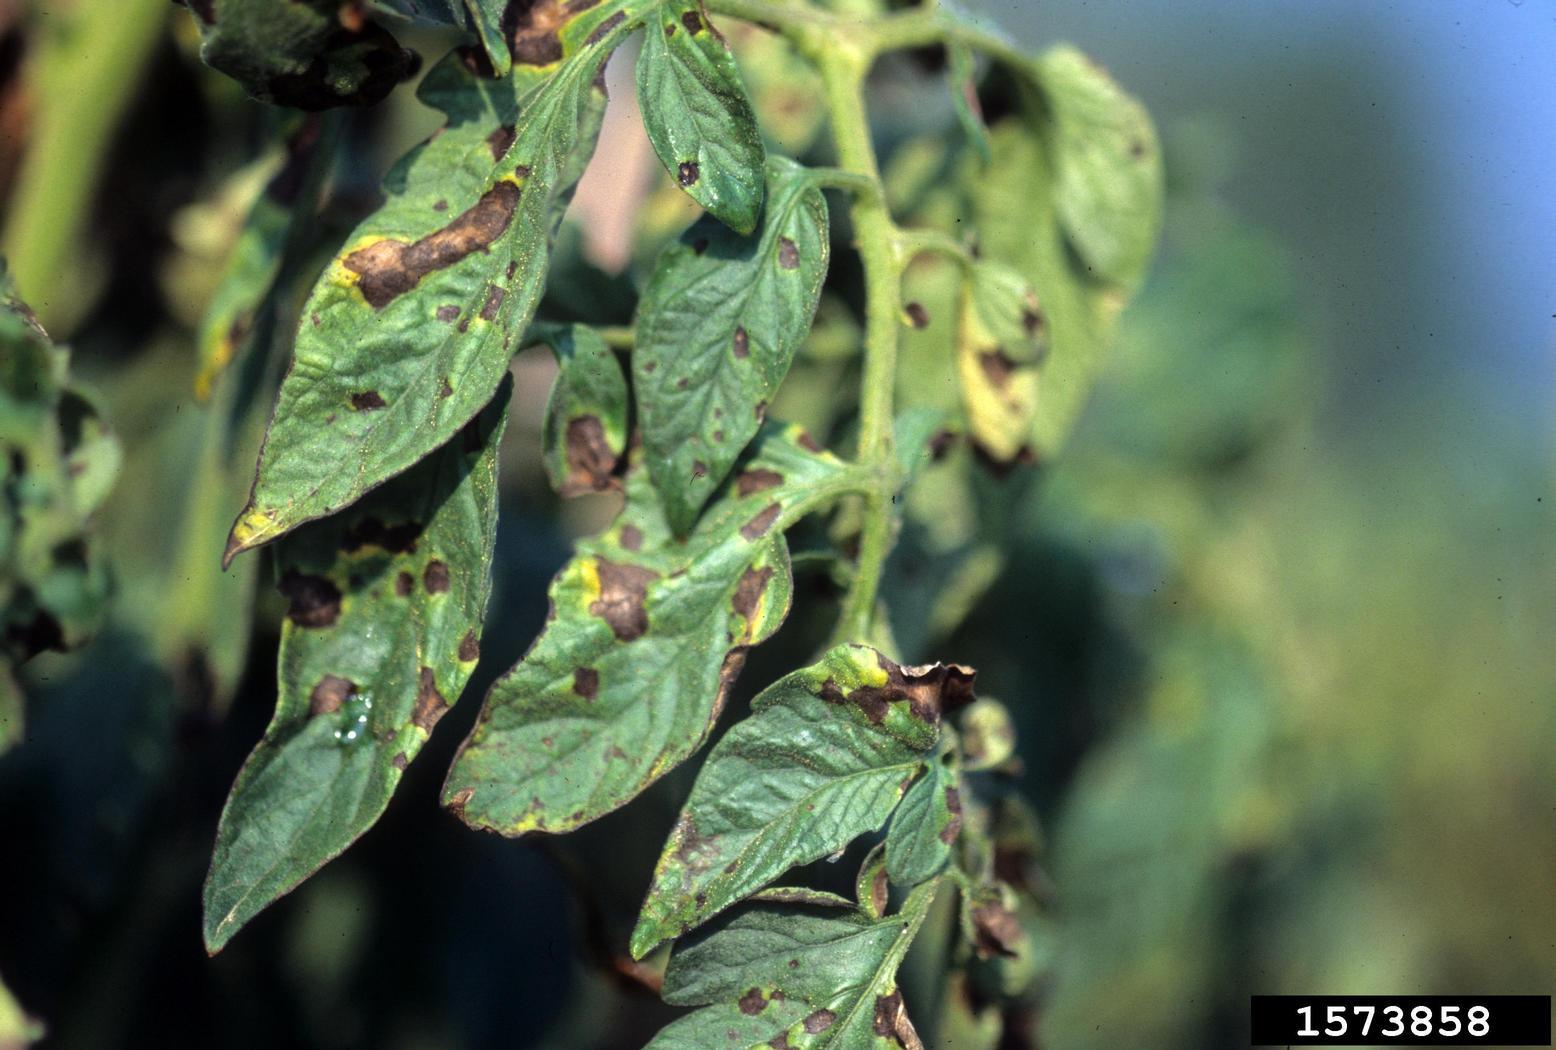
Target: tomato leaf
[
  {"x": 825, "y": 757},
  {"x": 647, "y": 634},
  {"x": 409, "y": 329},
  {"x": 795, "y": 977},
  {"x": 585, "y": 428},
  {"x": 480, "y": 17},
  {"x": 926, "y": 824},
  {"x": 698, "y": 117},
  {"x": 717, "y": 329},
  {"x": 58, "y": 461},
  {"x": 301, "y": 53},
  {"x": 1107, "y": 167},
  {"x": 383, "y": 630}
]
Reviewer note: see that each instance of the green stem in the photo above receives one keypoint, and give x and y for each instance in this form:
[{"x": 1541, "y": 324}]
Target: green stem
[
  {"x": 83, "y": 76},
  {"x": 843, "y": 70}
]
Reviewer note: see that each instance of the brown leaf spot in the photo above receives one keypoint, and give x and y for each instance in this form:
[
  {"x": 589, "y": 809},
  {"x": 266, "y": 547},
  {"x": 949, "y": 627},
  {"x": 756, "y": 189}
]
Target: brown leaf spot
[
  {"x": 389, "y": 268},
  {"x": 880, "y": 891},
  {"x": 631, "y": 538},
  {"x": 757, "y": 479},
  {"x": 699, "y": 469},
  {"x": 808, "y": 443},
  {"x": 997, "y": 367},
  {"x": 328, "y": 696},
  {"x": 459, "y": 800},
  {"x": 590, "y": 459},
  {"x": 493, "y": 302},
  {"x": 448, "y": 314},
  {"x": 623, "y": 589},
  {"x": 440, "y": 205},
  {"x": 940, "y": 445},
  {"x": 403, "y": 584},
  {"x": 742, "y": 343},
  {"x": 435, "y": 577},
  {"x": 1032, "y": 320},
  {"x": 887, "y": 1009},
  {"x": 692, "y": 22},
  {"x": 996, "y": 930},
  {"x": 531, "y": 26},
  {"x": 788, "y": 254},
  {"x": 315, "y": 601},
  {"x": 447, "y": 389},
  {"x": 819, "y": 1021},
  {"x": 918, "y": 317},
  {"x": 929, "y": 690},
  {"x": 430, "y": 705},
  {"x": 586, "y": 682},
  {"x": 752, "y": 1003},
  {"x": 367, "y": 401},
  {"x": 371, "y": 532},
  {"x": 602, "y": 30},
  {"x": 780, "y": 1042},
  {"x": 400, "y": 761},
  {"x": 749, "y": 591},
  {"x": 688, "y": 173},
  {"x": 500, "y": 141},
  {"x": 761, "y": 522},
  {"x": 953, "y": 804},
  {"x": 469, "y": 648}
]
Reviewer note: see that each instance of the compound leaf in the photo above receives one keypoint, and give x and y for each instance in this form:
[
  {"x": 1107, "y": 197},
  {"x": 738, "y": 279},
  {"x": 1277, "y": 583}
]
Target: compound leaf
[
  {"x": 409, "y": 329},
  {"x": 825, "y": 757},
  {"x": 585, "y": 429},
  {"x": 796, "y": 977},
  {"x": 717, "y": 330},
  {"x": 301, "y": 53},
  {"x": 383, "y": 630},
  {"x": 646, "y": 635},
  {"x": 698, "y": 117}
]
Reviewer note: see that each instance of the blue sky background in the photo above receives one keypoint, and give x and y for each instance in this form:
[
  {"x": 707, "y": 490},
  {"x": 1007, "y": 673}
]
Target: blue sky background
[{"x": 1406, "y": 153}]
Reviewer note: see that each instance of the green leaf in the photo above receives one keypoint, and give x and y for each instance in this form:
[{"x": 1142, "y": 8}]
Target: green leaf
[
  {"x": 926, "y": 825},
  {"x": 999, "y": 389},
  {"x": 1107, "y": 165},
  {"x": 279, "y": 218},
  {"x": 988, "y": 735},
  {"x": 409, "y": 329},
  {"x": 717, "y": 329},
  {"x": 698, "y": 117},
  {"x": 1033, "y": 406},
  {"x": 794, "y": 977},
  {"x": 647, "y": 634},
  {"x": 585, "y": 429},
  {"x": 57, "y": 463},
  {"x": 300, "y": 53},
  {"x": 481, "y": 17},
  {"x": 383, "y": 630},
  {"x": 825, "y": 756}
]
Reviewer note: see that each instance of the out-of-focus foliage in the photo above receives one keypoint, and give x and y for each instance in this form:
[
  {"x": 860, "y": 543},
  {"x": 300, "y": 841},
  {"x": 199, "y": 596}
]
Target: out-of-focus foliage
[
  {"x": 1282, "y": 694},
  {"x": 58, "y": 461}
]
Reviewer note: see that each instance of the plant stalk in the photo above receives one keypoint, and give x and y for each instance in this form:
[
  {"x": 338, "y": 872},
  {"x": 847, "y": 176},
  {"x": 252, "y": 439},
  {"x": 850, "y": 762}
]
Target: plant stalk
[
  {"x": 843, "y": 71},
  {"x": 81, "y": 78}
]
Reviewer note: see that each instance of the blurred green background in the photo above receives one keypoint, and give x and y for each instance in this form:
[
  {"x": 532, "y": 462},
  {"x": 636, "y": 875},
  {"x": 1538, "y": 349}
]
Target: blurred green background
[{"x": 1278, "y": 626}]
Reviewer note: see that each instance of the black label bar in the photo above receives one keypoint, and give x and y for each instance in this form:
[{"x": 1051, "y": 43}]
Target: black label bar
[{"x": 1400, "y": 1020}]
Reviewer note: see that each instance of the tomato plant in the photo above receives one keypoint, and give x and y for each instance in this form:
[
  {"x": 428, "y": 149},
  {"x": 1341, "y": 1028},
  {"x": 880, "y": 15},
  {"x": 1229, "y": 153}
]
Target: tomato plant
[{"x": 984, "y": 268}]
